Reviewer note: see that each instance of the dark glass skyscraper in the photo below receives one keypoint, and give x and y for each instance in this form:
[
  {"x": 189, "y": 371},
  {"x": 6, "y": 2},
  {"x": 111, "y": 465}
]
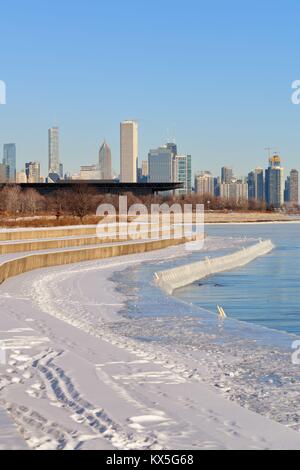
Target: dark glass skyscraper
[
  {"x": 256, "y": 185},
  {"x": 291, "y": 192},
  {"x": 10, "y": 159},
  {"x": 226, "y": 175}
]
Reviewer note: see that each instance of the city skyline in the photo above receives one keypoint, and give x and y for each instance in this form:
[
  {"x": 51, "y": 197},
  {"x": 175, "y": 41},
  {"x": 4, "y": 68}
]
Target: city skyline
[
  {"x": 53, "y": 154},
  {"x": 165, "y": 165}
]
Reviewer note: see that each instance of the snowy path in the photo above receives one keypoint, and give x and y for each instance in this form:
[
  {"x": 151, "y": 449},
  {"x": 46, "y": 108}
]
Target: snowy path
[{"x": 72, "y": 382}]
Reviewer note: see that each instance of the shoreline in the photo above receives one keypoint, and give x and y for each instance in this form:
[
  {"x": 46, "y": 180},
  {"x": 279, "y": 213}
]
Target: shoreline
[
  {"x": 263, "y": 222},
  {"x": 210, "y": 218},
  {"x": 171, "y": 394}
]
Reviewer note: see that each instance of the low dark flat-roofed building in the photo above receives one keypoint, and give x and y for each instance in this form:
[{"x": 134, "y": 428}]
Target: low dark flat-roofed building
[{"x": 103, "y": 187}]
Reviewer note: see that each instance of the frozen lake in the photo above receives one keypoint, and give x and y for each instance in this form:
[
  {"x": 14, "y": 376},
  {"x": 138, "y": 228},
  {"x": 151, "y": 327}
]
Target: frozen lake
[{"x": 265, "y": 292}]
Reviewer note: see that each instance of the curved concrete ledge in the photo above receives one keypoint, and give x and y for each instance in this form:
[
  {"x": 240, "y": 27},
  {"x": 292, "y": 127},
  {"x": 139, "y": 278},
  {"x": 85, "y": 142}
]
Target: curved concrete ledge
[
  {"x": 27, "y": 263},
  {"x": 49, "y": 232},
  {"x": 24, "y": 246},
  {"x": 184, "y": 275}
]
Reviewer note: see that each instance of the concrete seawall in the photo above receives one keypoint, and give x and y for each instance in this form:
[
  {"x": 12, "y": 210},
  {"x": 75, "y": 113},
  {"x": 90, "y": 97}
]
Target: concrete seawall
[
  {"x": 42, "y": 244},
  {"x": 27, "y": 263},
  {"x": 184, "y": 275},
  {"x": 54, "y": 232}
]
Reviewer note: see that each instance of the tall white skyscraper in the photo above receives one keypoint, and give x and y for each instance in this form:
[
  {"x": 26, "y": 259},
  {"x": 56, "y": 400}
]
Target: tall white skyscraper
[
  {"x": 53, "y": 149},
  {"x": 129, "y": 151},
  {"x": 105, "y": 167}
]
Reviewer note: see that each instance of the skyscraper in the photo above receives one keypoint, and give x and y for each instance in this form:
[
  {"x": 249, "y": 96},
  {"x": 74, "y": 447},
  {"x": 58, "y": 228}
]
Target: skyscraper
[
  {"x": 291, "y": 194},
  {"x": 182, "y": 173},
  {"x": 173, "y": 147},
  {"x": 160, "y": 163},
  {"x": 274, "y": 183},
  {"x": 53, "y": 150},
  {"x": 251, "y": 186},
  {"x": 33, "y": 172},
  {"x": 129, "y": 151},
  {"x": 105, "y": 166},
  {"x": 61, "y": 171},
  {"x": 10, "y": 159},
  {"x": 204, "y": 184},
  {"x": 89, "y": 172},
  {"x": 145, "y": 168},
  {"x": 21, "y": 177},
  {"x": 4, "y": 173},
  {"x": 226, "y": 175},
  {"x": 294, "y": 186},
  {"x": 236, "y": 190},
  {"x": 256, "y": 185}
]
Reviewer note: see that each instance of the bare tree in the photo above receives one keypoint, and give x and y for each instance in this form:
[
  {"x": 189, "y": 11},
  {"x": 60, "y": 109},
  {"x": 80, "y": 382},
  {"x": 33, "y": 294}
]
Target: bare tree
[
  {"x": 31, "y": 201},
  {"x": 81, "y": 200},
  {"x": 11, "y": 199}
]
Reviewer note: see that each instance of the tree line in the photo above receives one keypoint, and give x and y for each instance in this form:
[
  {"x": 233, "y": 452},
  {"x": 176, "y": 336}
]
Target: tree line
[{"x": 82, "y": 201}]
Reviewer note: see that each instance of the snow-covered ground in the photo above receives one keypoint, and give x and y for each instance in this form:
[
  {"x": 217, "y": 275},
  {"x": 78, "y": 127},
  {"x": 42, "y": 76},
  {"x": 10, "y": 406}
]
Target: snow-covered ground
[{"x": 73, "y": 380}]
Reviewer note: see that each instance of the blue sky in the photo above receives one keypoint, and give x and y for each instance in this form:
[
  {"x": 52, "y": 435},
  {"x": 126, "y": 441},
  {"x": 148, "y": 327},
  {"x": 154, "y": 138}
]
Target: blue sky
[{"x": 216, "y": 75}]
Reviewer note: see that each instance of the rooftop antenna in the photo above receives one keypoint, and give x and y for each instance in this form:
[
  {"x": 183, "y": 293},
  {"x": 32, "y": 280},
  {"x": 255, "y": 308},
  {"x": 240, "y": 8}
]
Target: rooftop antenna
[
  {"x": 270, "y": 149},
  {"x": 168, "y": 136}
]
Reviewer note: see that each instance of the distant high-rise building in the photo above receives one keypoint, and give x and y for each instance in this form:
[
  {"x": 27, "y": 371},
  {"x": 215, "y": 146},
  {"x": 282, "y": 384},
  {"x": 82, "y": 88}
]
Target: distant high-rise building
[
  {"x": 89, "y": 172},
  {"x": 256, "y": 185},
  {"x": 287, "y": 190},
  {"x": 173, "y": 147},
  {"x": 105, "y": 166},
  {"x": 160, "y": 163},
  {"x": 129, "y": 151},
  {"x": 294, "y": 186},
  {"x": 4, "y": 173},
  {"x": 274, "y": 183},
  {"x": 204, "y": 184},
  {"x": 217, "y": 185},
  {"x": 61, "y": 171},
  {"x": 166, "y": 167},
  {"x": 182, "y": 173},
  {"x": 251, "y": 186},
  {"x": 236, "y": 190},
  {"x": 145, "y": 168},
  {"x": 291, "y": 193},
  {"x": 140, "y": 177},
  {"x": 33, "y": 172},
  {"x": 53, "y": 150},
  {"x": 142, "y": 174},
  {"x": 226, "y": 175},
  {"x": 10, "y": 159},
  {"x": 21, "y": 177}
]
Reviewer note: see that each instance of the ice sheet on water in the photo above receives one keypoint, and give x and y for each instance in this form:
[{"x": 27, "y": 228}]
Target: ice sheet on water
[{"x": 248, "y": 363}]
